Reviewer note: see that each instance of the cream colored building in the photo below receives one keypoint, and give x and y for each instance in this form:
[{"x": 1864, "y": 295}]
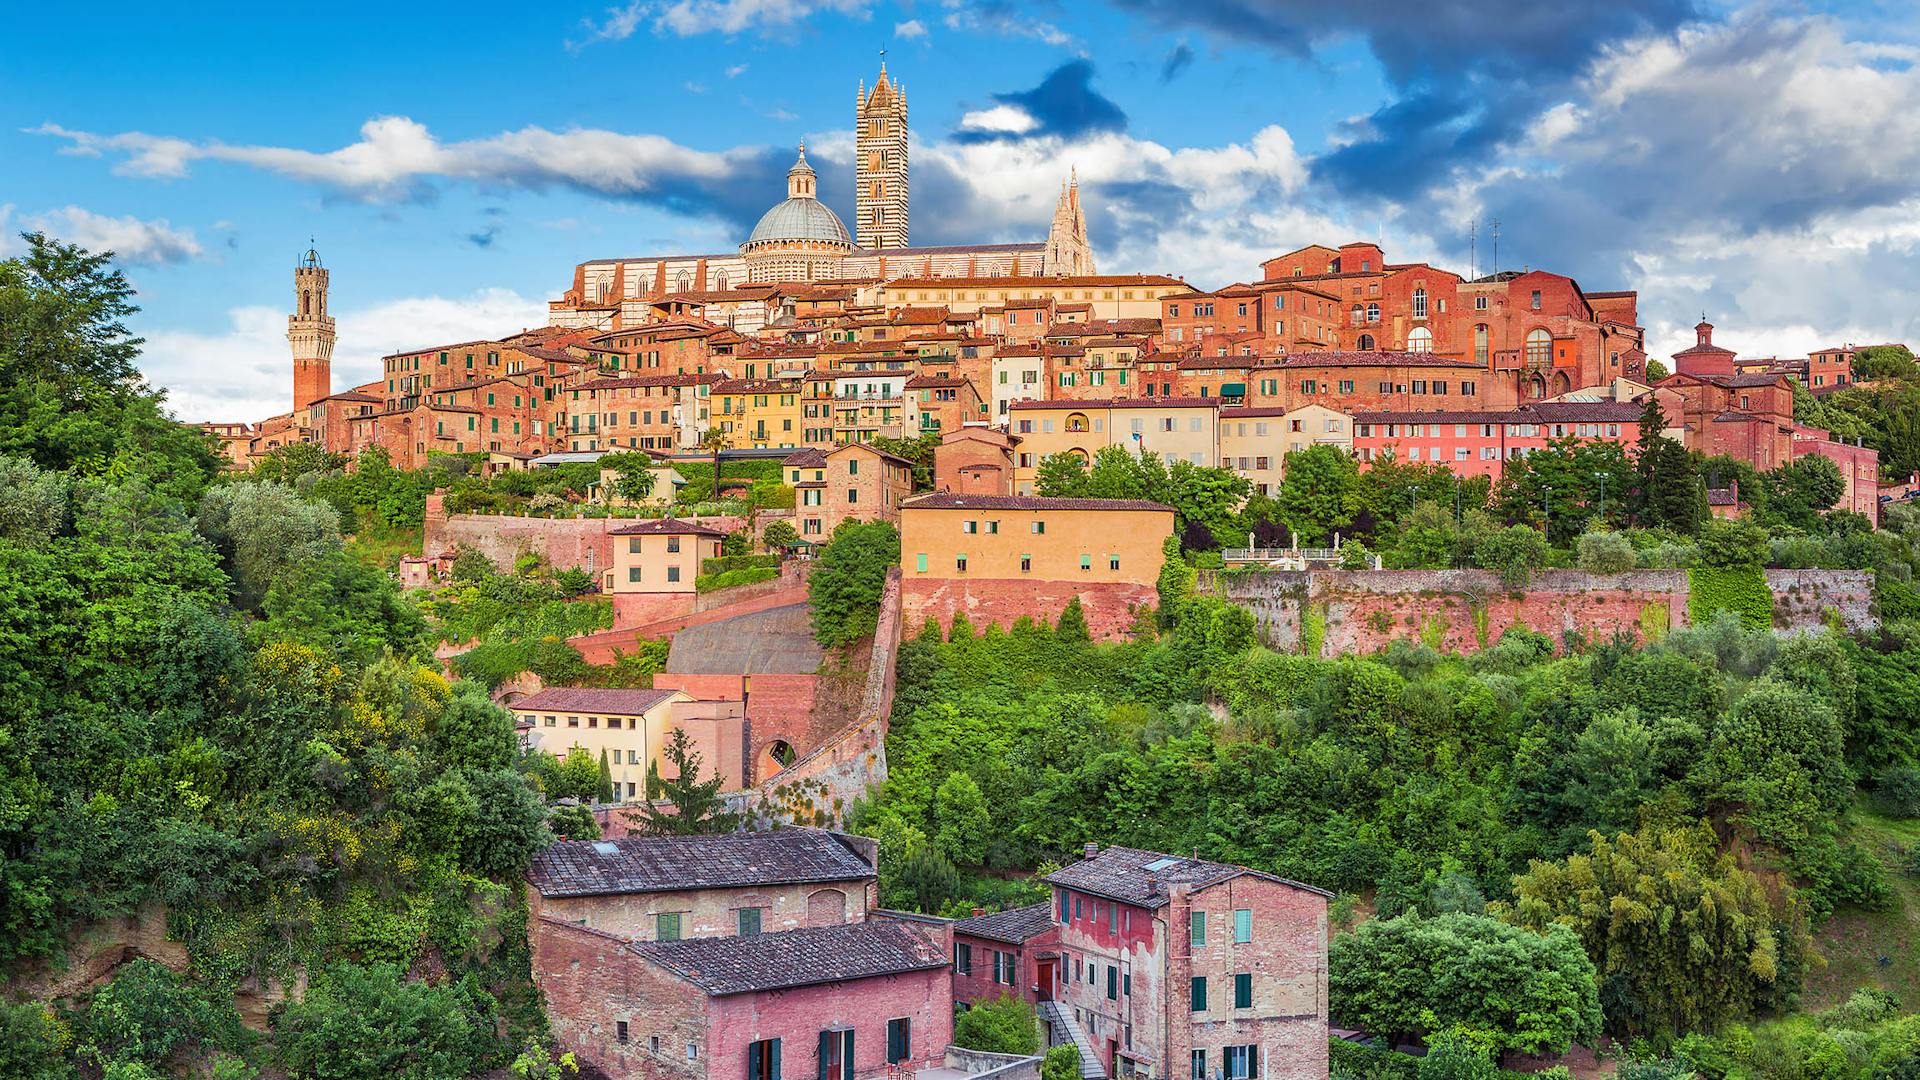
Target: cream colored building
[
  {"x": 631, "y": 726},
  {"x": 1254, "y": 442},
  {"x": 660, "y": 556},
  {"x": 1110, "y": 296},
  {"x": 1019, "y": 373},
  {"x": 1183, "y": 429},
  {"x": 667, "y": 483}
]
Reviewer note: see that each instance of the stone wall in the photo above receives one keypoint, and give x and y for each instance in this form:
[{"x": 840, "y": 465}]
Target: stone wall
[
  {"x": 1330, "y": 612},
  {"x": 1109, "y": 606},
  {"x": 564, "y": 542}
]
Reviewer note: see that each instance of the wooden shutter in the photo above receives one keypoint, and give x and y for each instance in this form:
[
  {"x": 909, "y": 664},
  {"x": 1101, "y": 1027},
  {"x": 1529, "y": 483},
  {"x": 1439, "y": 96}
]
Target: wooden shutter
[
  {"x": 846, "y": 1056},
  {"x": 826, "y": 1054}
]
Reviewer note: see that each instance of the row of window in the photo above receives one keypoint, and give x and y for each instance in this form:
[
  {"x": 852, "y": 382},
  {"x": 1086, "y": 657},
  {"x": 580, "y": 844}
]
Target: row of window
[
  {"x": 833, "y": 1057},
  {"x": 1488, "y": 431},
  {"x": 1242, "y": 992},
  {"x": 1006, "y": 965},
  {"x": 1026, "y": 563},
  {"x": 1236, "y": 1063},
  {"x": 613, "y": 724}
]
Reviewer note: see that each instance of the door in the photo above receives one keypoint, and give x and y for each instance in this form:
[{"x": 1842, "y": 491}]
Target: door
[{"x": 1045, "y": 972}]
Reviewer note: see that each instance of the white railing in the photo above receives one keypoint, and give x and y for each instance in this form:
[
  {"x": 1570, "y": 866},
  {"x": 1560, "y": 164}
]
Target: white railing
[{"x": 1233, "y": 555}]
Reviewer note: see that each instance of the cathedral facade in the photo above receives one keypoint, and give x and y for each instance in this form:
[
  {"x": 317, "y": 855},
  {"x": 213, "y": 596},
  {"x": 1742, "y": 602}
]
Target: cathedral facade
[{"x": 801, "y": 240}]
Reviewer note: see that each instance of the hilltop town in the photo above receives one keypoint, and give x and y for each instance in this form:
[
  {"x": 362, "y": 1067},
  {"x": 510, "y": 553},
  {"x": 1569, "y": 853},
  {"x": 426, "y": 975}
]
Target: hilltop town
[{"x": 849, "y": 659}]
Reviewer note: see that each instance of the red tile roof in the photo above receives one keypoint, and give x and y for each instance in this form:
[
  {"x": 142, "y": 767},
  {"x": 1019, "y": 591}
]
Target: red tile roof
[
  {"x": 667, "y": 527},
  {"x": 947, "y": 500},
  {"x": 618, "y": 702}
]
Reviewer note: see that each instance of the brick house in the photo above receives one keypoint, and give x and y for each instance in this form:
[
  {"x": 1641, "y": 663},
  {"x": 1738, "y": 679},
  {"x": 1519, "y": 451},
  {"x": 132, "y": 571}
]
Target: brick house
[
  {"x": 631, "y": 727},
  {"x": 1000, "y": 557},
  {"x": 851, "y": 482},
  {"x": 739, "y": 955},
  {"x": 1171, "y": 966},
  {"x": 1003, "y": 952},
  {"x": 975, "y": 460}
]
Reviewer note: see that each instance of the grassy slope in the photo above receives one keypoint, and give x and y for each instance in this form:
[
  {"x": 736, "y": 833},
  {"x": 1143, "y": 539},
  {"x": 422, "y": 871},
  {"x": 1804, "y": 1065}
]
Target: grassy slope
[
  {"x": 1854, "y": 943},
  {"x": 382, "y": 545}
]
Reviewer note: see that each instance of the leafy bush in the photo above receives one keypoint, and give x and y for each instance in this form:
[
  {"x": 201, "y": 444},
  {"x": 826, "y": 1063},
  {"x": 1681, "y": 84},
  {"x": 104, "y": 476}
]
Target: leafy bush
[
  {"x": 1740, "y": 589},
  {"x": 372, "y": 1021},
  {"x": 723, "y": 563},
  {"x": 1605, "y": 553},
  {"x": 1897, "y": 794},
  {"x": 707, "y": 583},
  {"x": 1005, "y": 1025},
  {"x": 844, "y": 589},
  {"x": 1061, "y": 1063},
  {"x": 1516, "y": 551}
]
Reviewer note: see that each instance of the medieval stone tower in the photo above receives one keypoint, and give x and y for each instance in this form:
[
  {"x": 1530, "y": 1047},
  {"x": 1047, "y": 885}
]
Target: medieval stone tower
[
  {"x": 310, "y": 332},
  {"x": 880, "y": 164},
  {"x": 1068, "y": 253}
]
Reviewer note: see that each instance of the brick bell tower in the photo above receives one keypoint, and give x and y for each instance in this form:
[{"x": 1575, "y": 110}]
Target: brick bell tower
[{"x": 310, "y": 332}]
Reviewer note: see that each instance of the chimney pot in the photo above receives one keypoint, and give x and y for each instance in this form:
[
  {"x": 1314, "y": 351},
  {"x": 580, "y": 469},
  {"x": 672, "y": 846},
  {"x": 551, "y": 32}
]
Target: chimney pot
[{"x": 1090, "y": 850}]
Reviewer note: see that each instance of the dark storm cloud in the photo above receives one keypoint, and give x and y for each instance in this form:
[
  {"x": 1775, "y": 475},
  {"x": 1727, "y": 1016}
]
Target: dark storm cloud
[{"x": 1065, "y": 104}]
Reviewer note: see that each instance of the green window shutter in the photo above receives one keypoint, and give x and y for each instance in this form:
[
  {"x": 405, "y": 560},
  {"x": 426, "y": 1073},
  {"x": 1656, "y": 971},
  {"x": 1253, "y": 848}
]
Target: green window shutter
[
  {"x": 1243, "y": 925},
  {"x": 846, "y": 1057},
  {"x": 1113, "y": 983},
  {"x": 1243, "y": 991},
  {"x": 1197, "y": 928},
  {"x": 1198, "y": 991}
]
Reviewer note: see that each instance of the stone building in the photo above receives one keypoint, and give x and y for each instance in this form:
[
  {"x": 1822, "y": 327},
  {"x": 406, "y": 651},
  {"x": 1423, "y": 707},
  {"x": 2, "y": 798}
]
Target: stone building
[
  {"x": 880, "y": 164},
  {"x": 1172, "y": 966},
  {"x": 631, "y": 727},
  {"x": 310, "y": 332},
  {"x": 1003, "y": 952}
]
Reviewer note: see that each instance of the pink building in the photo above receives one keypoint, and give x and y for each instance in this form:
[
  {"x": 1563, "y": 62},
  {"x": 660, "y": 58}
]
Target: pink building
[
  {"x": 1004, "y": 953},
  {"x": 1479, "y": 442},
  {"x": 1859, "y": 469},
  {"x": 1170, "y": 966}
]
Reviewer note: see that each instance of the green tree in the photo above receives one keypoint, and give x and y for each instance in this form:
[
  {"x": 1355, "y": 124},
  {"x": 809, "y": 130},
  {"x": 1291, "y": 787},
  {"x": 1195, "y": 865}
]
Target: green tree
[
  {"x": 33, "y": 1043},
  {"x": 1799, "y": 492},
  {"x": 1456, "y": 1055},
  {"x": 1666, "y": 484},
  {"x": 1603, "y": 552},
  {"x": 1732, "y": 543},
  {"x": 1683, "y": 939},
  {"x": 1005, "y": 1025},
  {"x": 343, "y": 606},
  {"x": 843, "y": 591},
  {"x": 964, "y": 822},
  {"x": 33, "y": 503},
  {"x": 1516, "y": 551},
  {"x": 1777, "y": 760},
  {"x": 603, "y": 784},
  {"x": 1061, "y": 476},
  {"x": 265, "y": 532},
  {"x": 1061, "y": 1063},
  {"x": 1073, "y": 622},
  {"x": 1410, "y": 977},
  {"x": 1320, "y": 492},
  {"x": 372, "y": 1021},
  {"x": 1560, "y": 485},
  {"x": 287, "y": 464},
  {"x": 694, "y": 803},
  {"x": 573, "y": 822},
  {"x": 779, "y": 535}
]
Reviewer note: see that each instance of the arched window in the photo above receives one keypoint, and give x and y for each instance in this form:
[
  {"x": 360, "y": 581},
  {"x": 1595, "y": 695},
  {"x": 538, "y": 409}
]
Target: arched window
[
  {"x": 1539, "y": 346},
  {"x": 1420, "y": 340},
  {"x": 1077, "y": 422},
  {"x": 720, "y": 281},
  {"x": 1419, "y": 303},
  {"x": 682, "y": 281},
  {"x": 1480, "y": 344},
  {"x": 1359, "y": 314},
  {"x": 1366, "y": 343}
]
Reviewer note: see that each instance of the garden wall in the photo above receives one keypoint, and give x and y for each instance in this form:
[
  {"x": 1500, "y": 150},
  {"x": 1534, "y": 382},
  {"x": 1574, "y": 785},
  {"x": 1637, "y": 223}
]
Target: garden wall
[
  {"x": 563, "y": 542},
  {"x": 1330, "y": 612}
]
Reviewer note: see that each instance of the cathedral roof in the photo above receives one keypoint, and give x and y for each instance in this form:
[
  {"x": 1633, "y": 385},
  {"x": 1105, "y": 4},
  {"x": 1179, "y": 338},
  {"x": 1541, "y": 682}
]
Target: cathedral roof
[{"x": 800, "y": 219}]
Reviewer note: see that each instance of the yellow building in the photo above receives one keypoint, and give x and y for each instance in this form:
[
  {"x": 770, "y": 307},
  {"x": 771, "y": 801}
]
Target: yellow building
[
  {"x": 999, "y": 557},
  {"x": 631, "y": 726},
  {"x": 660, "y": 556},
  {"x": 1184, "y": 429},
  {"x": 758, "y": 413}
]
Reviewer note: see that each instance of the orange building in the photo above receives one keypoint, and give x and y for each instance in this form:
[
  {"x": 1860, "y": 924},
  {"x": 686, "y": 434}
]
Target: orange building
[
  {"x": 851, "y": 482},
  {"x": 975, "y": 460},
  {"x": 998, "y": 558}
]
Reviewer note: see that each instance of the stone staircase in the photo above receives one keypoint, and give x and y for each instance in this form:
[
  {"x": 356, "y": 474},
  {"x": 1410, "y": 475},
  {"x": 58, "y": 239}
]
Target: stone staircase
[{"x": 1066, "y": 1029}]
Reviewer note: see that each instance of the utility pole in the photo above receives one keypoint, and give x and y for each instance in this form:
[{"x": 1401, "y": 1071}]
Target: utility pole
[
  {"x": 1473, "y": 249},
  {"x": 1496, "y": 245}
]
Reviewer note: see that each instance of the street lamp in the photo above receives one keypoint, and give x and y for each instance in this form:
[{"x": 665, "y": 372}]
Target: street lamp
[
  {"x": 1603, "y": 497},
  {"x": 1416, "y": 498},
  {"x": 1546, "y": 509}
]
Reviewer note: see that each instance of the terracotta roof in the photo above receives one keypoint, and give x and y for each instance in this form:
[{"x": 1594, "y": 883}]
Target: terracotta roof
[
  {"x": 351, "y": 395},
  {"x": 629, "y": 381},
  {"x": 851, "y": 447},
  {"x": 1013, "y": 926},
  {"x": 1263, "y": 410},
  {"x": 790, "y": 958},
  {"x": 634, "y": 864},
  {"x": 619, "y": 702},
  {"x": 1093, "y": 281},
  {"x": 928, "y": 382},
  {"x": 1200, "y": 363},
  {"x": 1721, "y": 497},
  {"x": 947, "y": 500},
  {"x": 809, "y": 457},
  {"x": 757, "y": 386},
  {"x": 1373, "y": 359},
  {"x": 1138, "y": 877},
  {"x": 667, "y": 527}
]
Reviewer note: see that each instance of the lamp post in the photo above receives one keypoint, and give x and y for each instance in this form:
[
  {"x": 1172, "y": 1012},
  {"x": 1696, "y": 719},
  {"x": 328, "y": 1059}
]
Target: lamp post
[
  {"x": 1456, "y": 498},
  {"x": 1546, "y": 510},
  {"x": 1416, "y": 498},
  {"x": 1603, "y": 497}
]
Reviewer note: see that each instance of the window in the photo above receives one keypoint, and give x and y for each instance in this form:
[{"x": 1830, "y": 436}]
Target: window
[
  {"x": 763, "y": 1060},
  {"x": 748, "y": 919},
  {"x": 1242, "y": 1062},
  {"x": 653, "y": 1043},
  {"x": 620, "y": 1031},
  {"x": 1242, "y": 925},
  {"x": 1039, "y": 528},
  {"x": 970, "y": 527},
  {"x": 963, "y": 958},
  {"x": 1113, "y": 983},
  {"x": 1197, "y": 928},
  {"x": 1026, "y": 567},
  {"x": 960, "y": 563},
  {"x": 666, "y": 926},
  {"x": 1243, "y": 991},
  {"x": 1420, "y": 340},
  {"x": 1197, "y": 990},
  {"x": 1086, "y": 562},
  {"x": 836, "y": 1055},
  {"x": 899, "y": 1039},
  {"x": 673, "y": 573},
  {"x": 853, "y": 466},
  {"x": 920, "y": 563},
  {"x": 1199, "y": 1065},
  {"x": 633, "y": 573},
  {"x": 1373, "y": 312},
  {"x": 1536, "y": 299},
  {"x": 1365, "y": 344},
  {"x": 1420, "y": 303},
  {"x": 1539, "y": 345},
  {"x": 1113, "y": 562},
  {"x": 1479, "y": 303}
]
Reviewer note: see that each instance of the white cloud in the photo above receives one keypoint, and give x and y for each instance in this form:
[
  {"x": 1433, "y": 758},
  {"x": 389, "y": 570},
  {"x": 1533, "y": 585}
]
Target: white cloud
[
  {"x": 1001, "y": 119},
  {"x": 736, "y": 71},
  {"x": 907, "y": 31},
  {"x": 129, "y": 238},
  {"x": 395, "y": 155},
  {"x": 245, "y": 371},
  {"x": 689, "y": 18},
  {"x": 1008, "y": 24}
]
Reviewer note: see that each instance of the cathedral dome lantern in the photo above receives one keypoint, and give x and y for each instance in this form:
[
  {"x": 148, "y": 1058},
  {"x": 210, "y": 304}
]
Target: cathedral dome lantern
[{"x": 800, "y": 239}]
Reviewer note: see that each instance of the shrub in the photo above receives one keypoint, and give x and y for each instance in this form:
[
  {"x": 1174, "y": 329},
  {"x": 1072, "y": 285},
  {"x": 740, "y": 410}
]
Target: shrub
[
  {"x": 1605, "y": 553},
  {"x": 1739, "y": 589},
  {"x": 1061, "y": 1063},
  {"x": 1898, "y": 793},
  {"x": 707, "y": 583},
  {"x": 371, "y": 1021},
  {"x": 1516, "y": 551},
  {"x": 1003, "y": 1026},
  {"x": 724, "y": 563}
]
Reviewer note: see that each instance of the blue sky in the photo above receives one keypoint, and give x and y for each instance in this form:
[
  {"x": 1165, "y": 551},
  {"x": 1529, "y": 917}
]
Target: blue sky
[{"x": 1759, "y": 163}]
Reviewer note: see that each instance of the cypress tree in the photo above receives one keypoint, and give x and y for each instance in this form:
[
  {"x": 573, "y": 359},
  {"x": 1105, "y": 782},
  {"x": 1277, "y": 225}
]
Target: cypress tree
[{"x": 605, "y": 791}]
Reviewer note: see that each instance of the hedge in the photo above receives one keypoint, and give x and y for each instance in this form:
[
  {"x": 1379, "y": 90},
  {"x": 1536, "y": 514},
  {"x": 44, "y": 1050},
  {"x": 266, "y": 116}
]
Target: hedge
[
  {"x": 746, "y": 576},
  {"x": 724, "y": 563},
  {"x": 1739, "y": 589}
]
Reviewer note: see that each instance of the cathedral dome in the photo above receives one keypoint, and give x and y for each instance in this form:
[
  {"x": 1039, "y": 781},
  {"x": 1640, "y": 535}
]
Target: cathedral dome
[{"x": 800, "y": 218}]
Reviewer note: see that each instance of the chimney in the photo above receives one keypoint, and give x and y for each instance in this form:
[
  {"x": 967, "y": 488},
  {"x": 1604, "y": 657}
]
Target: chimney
[{"x": 1090, "y": 850}]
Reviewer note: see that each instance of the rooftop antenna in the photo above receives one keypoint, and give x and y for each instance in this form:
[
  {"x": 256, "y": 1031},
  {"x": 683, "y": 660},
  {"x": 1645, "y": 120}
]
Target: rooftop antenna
[
  {"x": 1496, "y": 245},
  {"x": 1473, "y": 249}
]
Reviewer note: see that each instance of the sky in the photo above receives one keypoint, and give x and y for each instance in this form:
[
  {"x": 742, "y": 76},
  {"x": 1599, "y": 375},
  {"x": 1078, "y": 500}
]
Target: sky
[{"x": 1755, "y": 163}]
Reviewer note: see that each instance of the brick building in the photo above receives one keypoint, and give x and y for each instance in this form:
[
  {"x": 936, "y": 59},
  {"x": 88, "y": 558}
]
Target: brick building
[
  {"x": 1479, "y": 442},
  {"x": 1185, "y": 429},
  {"x": 1172, "y": 966},
  {"x": 1255, "y": 442},
  {"x": 1003, "y": 952},
  {"x": 850, "y": 482},
  {"x": 1000, "y": 557},
  {"x": 975, "y": 460}
]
